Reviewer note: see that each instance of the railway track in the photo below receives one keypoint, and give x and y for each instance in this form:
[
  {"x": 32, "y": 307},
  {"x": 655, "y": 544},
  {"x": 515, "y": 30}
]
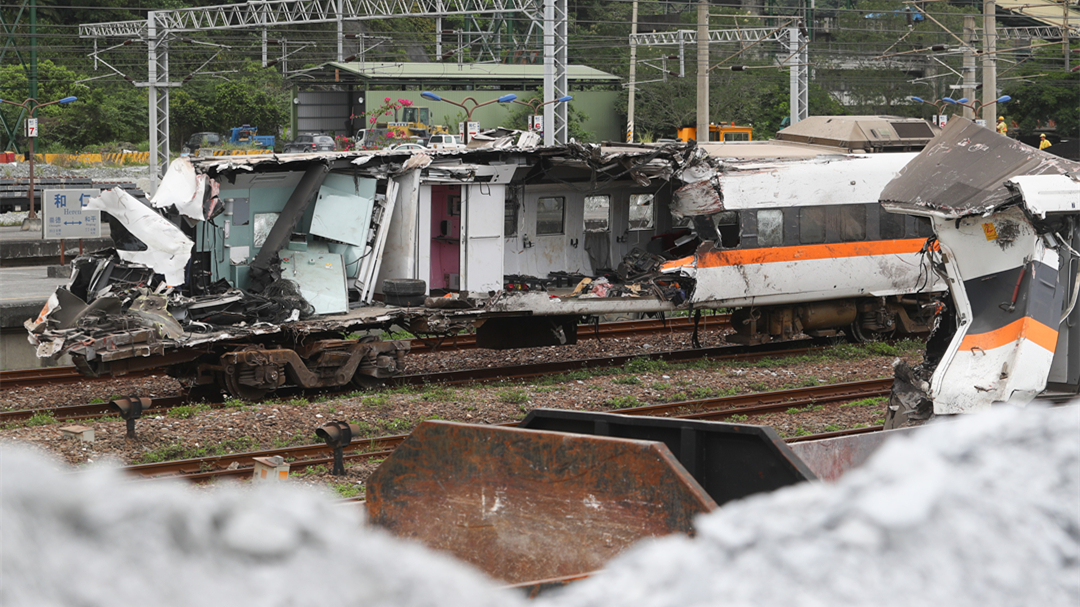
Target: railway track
[
  {"x": 469, "y": 376},
  {"x": 68, "y": 374},
  {"x": 714, "y": 409}
]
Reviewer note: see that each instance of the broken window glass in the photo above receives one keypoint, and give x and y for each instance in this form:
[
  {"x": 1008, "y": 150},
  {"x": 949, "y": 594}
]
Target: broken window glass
[
  {"x": 812, "y": 225},
  {"x": 891, "y": 225},
  {"x": 852, "y": 223},
  {"x": 923, "y": 227},
  {"x": 550, "y": 215},
  {"x": 596, "y": 213},
  {"x": 770, "y": 228},
  {"x": 264, "y": 222},
  {"x": 641, "y": 212},
  {"x": 727, "y": 224}
]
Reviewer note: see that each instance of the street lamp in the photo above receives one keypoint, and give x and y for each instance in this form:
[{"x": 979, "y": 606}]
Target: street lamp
[
  {"x": 468, "y": 110},
  {"x": 964, "y": 102},
  {"x": 32, "y": 221},
  {"x": 940, "y": 103},
  {"x": 535, "y": 104}
]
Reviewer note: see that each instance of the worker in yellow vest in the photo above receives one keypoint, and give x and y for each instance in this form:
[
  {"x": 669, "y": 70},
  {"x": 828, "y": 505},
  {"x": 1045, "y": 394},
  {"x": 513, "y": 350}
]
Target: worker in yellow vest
[
  {"x": 1044, "y": 142},
  {"x": 1002, "y": 129}
]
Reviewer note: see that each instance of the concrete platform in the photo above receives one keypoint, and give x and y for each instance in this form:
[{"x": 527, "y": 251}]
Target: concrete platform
[
  {"x": 23, "y": 292},
  {"x": 29, "y": 248}
]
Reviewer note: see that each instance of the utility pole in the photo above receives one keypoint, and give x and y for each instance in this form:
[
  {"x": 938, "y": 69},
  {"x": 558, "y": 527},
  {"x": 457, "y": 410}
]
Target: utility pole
[
  {"x": 989, "y": 63},
  {"x": 969, "y": 65},
  {"x": 33, "y": 49},
  {"x": 703, "y": 71},
  {"x": 633, "y": 75}
]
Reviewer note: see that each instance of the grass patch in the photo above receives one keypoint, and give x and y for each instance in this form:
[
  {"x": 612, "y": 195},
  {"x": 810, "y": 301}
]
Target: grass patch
[
  {"x": 758, "y": 387},
  {"x": 802, "y": 432},
  {"x": 188, "y": 411},
  {"x": 98, "y": 401},
  {"x": 298, "y": 402},
  {"x": 40, "y": 419},
  {"x": 177, "y": 451},
  {"x": 867, "y": 402},
  {"x": 623, "y": 402},
  {"x": 646, "y": 365},
  {"x": 514, "y": 396},
  {"x": 661, "y": 386},
  {"x": 282, "y": 442},
  {"x": 738, "y": 418},
  {"x": 377, "y": 402},
  {"x": 439, "y": 394},
  {"x": 680, "y": 396},
  {"x": 399, "y": 426},
  {"x": 833, "y": 428},
  {"x": 347, "y": 490},
  {"x": 627, "y": 380}
]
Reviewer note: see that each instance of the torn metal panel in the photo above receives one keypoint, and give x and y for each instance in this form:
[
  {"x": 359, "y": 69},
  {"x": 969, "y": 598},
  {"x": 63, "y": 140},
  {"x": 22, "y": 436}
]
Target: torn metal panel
[
  {"x": 169, "y": 249},
  {"x": 1003, "y": 213},
  {"x": 963, "y": 172},
  {"x": 183, "y": 188},
  {"x": 1004, "y": 282},
  {"x": 698, "y": 198}
]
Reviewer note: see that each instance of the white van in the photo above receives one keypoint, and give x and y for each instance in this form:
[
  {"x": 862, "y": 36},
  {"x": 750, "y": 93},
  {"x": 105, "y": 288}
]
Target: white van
[{"x": 445, "y": 142}]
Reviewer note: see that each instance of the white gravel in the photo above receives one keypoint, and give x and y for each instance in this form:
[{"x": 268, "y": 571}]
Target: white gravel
[
  {"x": 130, "y": 172},
  {"x": 97, "y": 539},
  {"x": 981, "y": 511}
]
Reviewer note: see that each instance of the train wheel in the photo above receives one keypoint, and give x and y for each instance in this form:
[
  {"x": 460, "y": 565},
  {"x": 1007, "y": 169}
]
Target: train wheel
[
  {"x": 857, "y": 335},
  {"x": 239, "y": 390}
]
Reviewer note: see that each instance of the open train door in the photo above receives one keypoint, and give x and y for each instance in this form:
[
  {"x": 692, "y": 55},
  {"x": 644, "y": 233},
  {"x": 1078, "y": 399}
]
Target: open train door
[
  {"x": 482, "y": 209},
  {"x": 1064, "y": 374}
]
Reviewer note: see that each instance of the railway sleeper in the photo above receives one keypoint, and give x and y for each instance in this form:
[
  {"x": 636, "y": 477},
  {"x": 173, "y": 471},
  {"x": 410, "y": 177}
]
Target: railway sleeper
[{"x": 253, "y": 371}]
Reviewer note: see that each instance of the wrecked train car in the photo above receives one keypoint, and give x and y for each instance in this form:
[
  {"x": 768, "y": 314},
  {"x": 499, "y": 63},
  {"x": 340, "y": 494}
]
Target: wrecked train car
[
  {"x": 259, "y": 272},
  {"x": 1007, "y": 219}
]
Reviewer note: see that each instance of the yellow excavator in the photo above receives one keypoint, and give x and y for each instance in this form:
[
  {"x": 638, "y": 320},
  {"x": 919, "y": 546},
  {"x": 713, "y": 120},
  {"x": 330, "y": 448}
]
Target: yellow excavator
[{"x": 416, "y": 123}]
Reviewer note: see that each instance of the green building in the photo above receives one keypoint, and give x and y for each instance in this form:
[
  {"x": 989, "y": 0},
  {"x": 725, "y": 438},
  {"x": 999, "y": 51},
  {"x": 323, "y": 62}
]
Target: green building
[{"x": 333, "y": 97}]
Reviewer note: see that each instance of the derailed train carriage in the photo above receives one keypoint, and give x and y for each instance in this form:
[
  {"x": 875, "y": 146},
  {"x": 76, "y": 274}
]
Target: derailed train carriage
[{"x": 254, "y": 273}]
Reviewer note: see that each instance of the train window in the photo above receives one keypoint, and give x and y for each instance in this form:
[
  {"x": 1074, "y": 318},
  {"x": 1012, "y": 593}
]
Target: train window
[
  {"x": 550, "y": 215},
  {"x": 923, "y": 227},
  {"x": 727, "y": 223},
  {"x": 891, "y": 225},
  {"x": 852, "y": 223},
  {"x": 641, "y": 212},
  {"x": 510, "y": 215},
  {"x": 596, "y": 213},
  {"x": 811, "y": 225},
  {"x": 770, "y": 228}
]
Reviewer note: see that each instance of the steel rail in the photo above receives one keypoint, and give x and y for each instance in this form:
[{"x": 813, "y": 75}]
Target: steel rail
[
  {"x": 306, "y": 456},
  {"x": 421, "y": 345},
  {"x": 468, "y": 376}
]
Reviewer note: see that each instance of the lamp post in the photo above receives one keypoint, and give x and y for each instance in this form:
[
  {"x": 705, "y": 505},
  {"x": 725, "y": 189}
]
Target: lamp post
[
  {"x": 939, "y": 104},
  {"x": 971, "y": 105},
  {"x": 32, "y": 222},
  {"x": 535, "y": 104},
  {"x": 468, "y": 110}
]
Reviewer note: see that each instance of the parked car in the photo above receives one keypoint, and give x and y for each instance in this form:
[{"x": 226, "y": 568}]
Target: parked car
[
  {"x": 445, "y": 142},
  {"x": 311, "y": 143},
  {"x": 409, "y": 146},
  {"x": 203, "y": 140}
]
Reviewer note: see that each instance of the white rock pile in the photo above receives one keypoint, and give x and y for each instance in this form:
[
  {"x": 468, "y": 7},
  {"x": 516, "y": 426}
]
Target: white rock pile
[{"x": 980, "y": 511}]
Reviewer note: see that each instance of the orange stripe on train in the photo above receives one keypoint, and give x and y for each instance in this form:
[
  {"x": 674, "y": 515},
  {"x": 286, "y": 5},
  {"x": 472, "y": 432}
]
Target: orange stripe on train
[
  {"x": 1024, "y": 328},
  {"x": 808, "y": 252}
]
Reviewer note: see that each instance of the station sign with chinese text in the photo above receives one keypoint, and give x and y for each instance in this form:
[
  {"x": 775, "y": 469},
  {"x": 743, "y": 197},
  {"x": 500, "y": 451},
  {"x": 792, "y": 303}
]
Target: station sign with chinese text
[{"x": 65, "y": 215}]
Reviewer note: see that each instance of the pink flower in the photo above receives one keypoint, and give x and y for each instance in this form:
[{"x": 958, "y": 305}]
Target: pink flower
[
  {"x": 373, "y": 119},
  {"x": 387, "y": 100},
  {"x": 405, "y": 102}
]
